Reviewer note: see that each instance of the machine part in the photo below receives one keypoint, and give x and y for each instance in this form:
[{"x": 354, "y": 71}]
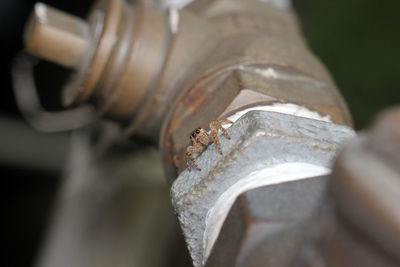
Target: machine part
[
  {"x": 261, "y": 61},
  {"x": 275, "y": 224},
  {"x": 266, "y": 149},
  {"x": 30, "y": 107},
  {"x": 366, "y": 190},
  {"x": 123, "y": 58},
  {"x": 56, "y": 36},
  {"x": 282, "y": 173},
  {"x": 191, "y": 64}
]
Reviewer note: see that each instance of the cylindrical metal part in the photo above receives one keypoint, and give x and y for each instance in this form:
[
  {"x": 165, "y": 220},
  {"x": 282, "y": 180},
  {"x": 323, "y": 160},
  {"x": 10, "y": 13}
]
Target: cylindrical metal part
[{"x": 56, "y": 36}]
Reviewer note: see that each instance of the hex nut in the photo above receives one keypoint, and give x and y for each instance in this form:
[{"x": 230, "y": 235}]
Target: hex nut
[{"x": 261, "y": 140}]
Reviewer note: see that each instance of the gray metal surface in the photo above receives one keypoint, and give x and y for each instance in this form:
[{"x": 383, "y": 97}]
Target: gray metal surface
[
  {"x": 275, "y": 225},
  {"x": 260, "y": 141}
]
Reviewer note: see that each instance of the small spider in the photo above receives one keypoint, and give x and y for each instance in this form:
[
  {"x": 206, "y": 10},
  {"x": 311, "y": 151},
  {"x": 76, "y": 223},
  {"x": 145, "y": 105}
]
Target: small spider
[{"x": 201, "y": 139}]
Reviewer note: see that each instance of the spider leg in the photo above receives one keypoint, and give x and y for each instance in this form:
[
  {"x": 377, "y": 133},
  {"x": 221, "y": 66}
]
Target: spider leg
[
  {"x": 219, "y": 125},
  {"x": 187, "y": 163},
  {"x": 225, "y": 121},
  {"x": 214, "y": 135},
  {"x": 189, "y": 155}
]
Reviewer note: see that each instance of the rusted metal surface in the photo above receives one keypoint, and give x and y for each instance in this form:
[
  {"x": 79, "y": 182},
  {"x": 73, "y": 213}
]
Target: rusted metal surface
[
  {"x": 153, "y": 70},
  {"x": 262, "y": 144},
  {"x": 366, "y": 187},
  {"x": 259, "y": 48}
]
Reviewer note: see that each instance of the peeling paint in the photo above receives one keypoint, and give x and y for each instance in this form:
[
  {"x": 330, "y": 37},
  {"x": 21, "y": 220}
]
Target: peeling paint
[
  {"x": 285, "y": 108},
  {"x": 174, "y": 20},
  {"x": 268, "y": 73}
]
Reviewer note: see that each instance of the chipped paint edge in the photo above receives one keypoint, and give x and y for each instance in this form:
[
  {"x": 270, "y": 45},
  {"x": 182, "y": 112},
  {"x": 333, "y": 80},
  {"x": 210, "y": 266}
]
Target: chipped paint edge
[{"x": 285, "y": 108}]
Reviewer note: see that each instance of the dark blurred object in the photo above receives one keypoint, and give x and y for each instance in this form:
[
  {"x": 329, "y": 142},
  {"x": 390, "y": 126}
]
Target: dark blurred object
[
  {"x": 366, "y": 189},
  {"x": 30, "y": 107},
  {"x": 113, "y": 208},
  {"x": 31, "y": 162},
  {"x": 13, "y": 16}
]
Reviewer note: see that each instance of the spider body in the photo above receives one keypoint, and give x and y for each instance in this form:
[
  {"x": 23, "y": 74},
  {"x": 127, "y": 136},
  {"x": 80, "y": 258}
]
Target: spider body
[{"x": 201, "y": 139}]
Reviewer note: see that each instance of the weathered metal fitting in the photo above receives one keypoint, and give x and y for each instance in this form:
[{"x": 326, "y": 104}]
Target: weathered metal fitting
[
  {"x": 56, "y": 36},
  {"x": 266, "y": 149},
  {"x": 279, "y": 225},
  {"x": 194, "y": 64},
  {"x": 115, "y": 55},
  {"x": 257, "y": 57},
  {"x": 127, "y": 59}
]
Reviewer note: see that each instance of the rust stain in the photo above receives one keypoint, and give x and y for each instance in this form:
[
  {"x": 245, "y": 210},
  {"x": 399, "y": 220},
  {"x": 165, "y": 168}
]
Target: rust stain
[
  {"x": 195, "y": 98},
  {"x": 197, "y": 94},
  {"x": 191, "y": 101},
  {"x": 169, "y": 155},
  {"x": 316, "y": 147},
  {"x": 175, "y": 122},
  {"x": 333, "y": 111}
]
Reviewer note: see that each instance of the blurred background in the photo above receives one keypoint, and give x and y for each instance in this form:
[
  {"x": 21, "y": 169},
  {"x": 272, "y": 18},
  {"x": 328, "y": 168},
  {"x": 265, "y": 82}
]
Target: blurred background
[{"x": 357, "y": 40}]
